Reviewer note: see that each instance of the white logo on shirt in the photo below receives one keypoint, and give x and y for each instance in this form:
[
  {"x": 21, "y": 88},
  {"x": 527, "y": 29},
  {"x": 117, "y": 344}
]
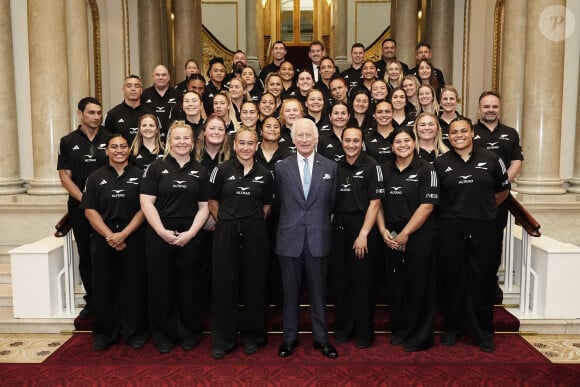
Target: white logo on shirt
[
  {"x": 76, "y": 147},
  {"x": 133, "y": 180},
  {"x": 231, "y": 178},
  {"x": 103, "y": 182},
  {"x": 121, "y": 120},
  {"x": 449, "y": 169},
  {"x": 412, "y": 177},
  {"x": 481, "y": 166},
  {"x": 465, "y": 179},
  {"x": 164, "y": 171}
]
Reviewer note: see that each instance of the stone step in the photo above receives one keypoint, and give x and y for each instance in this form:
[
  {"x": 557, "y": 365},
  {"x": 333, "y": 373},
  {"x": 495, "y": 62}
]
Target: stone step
[
  {"x": 8, "y": 324},
  {"x": 5, "y": 274},
  {"x": 4, "y": 255},
  {"x": 5, "y": 295}
]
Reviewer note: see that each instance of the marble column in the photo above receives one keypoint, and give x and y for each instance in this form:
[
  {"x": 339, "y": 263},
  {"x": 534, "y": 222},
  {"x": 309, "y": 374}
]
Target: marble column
[
  {"x": 340, "y": 21},
  {"x": 49, "y": 91},
  {"x": 77, "y": 47},
  {"x": 10, "y": 182},
  {"x": 150, "y": 35},
  {"x": 542, "y": 101},
  {"x": 575, "y": 180},
  {"x": 404, "y": 23},
  {"x": 251, "y": 33},
  {"x": 513, "y": 53},
  {"x": 440, "y": 35},
  {"x": 186, "y": 32}
]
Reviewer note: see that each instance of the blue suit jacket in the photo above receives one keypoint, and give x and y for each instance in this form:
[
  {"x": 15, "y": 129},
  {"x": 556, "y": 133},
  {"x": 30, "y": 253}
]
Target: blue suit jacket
[{"x": 300, "y": 216}]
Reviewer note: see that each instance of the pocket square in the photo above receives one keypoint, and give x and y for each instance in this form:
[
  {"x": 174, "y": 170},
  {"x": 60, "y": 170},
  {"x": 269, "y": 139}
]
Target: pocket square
[{"x": 326, "y": 176}]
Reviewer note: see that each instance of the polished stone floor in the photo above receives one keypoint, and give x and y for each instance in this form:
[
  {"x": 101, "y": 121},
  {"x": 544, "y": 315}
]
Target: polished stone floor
[{"x": 34, "y": 348}]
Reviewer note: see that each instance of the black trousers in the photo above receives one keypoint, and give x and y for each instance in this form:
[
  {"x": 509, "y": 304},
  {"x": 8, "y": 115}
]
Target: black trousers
[
  {"x": 120, "y": 289},
  {"x": 82, "y": 231},
  {"x": 411, "y": 286},
  {"x": 239, "y": 275},
  {"x": 469, "y": 261},
  {"x": 175, "y": 276},
  {"x": 352, "y": 279}
]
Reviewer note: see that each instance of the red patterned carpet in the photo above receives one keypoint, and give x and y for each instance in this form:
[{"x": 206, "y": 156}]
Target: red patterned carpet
[{"x": 514, "y": 362}]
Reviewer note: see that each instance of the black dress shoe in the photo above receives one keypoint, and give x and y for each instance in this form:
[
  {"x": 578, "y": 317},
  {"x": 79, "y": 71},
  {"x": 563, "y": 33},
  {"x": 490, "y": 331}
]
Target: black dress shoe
[
  {"x": 250, "y": 347},
  {"x": 326, "y": 349},
  {"x": 87, "y": 311},
  {"x": 448, "y": 338},
  {"x": 191, "y": 343},
  {"x": 341, "y": 338},
  {"x": 137, "y": 343},
  {"x": 163, "y": 347},
  {"x": 487, "y": 345},
  {"x": 99, "y": 345},
  {"x": 287, "y": 348},
  {"x": 397, "y": 339}
]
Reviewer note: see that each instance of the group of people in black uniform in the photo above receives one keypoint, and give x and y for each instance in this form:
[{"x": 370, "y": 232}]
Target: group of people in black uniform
[{"x": 221, "y": 196}]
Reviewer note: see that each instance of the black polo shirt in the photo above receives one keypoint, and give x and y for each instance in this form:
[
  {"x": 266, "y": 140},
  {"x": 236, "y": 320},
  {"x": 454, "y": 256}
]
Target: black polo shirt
[
  {"x": 330, "y": 146},
  {"x": 165, "y": 107},
  {"x": 503, "y": 141},
  {"x": 114, "y": 197},
  {"x": 210, "y": 91},
  {"x": 82, "y": 156},
  {"x": 124, "y": 119},
  {"x": 280, "y": 154},
  {"x": 360, "y": 183},
  {"x": 177, "y": 190},
  {"x": 353, "y": 77},
  {"x": 407, "y": 189},
  {"x": 196, "y": 126},
  {"x": 468, "y": 187},
  {"x": 269, "y": 68},
  {"x": 241, "y": 196},
  {"x": 377, "y": 146},
  {"x": 427, "y": 156},
  {"x": 323, "y": 125},
  {"x": 285, "y": 140},
  {"x": 144, "y": 158}
]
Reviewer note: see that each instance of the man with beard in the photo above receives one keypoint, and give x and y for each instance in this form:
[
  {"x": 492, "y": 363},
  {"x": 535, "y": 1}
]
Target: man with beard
[
  {"x": 239, "y": 61},
  {"x": 503, "y": 141},
  {"x": 124, "y": 118}
]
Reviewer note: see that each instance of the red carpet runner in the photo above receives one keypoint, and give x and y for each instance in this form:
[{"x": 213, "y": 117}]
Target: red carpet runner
[{"x": 514, "y": 362}]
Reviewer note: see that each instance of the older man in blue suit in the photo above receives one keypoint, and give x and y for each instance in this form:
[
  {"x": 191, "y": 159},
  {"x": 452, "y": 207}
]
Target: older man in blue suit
[{"x": 306, "y": 185}]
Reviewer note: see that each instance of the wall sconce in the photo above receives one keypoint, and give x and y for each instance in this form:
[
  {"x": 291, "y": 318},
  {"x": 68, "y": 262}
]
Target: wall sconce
[
  {"x": 329, "y": 2},
  {"x": 264, "y": 3}
]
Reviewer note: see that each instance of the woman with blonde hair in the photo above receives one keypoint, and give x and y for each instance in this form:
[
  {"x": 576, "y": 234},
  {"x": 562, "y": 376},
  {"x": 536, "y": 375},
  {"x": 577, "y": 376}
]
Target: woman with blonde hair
[
  {"x": 449, "y": 98},
  {"x": 238, "y": 94},
  {"x": 211, "y": 147},
  {"x": 411, "y": 86},
  {"x": 174, "y": 198},
  {"x": 224, "y": 108},
  {"x": 429, "y": 143},
  {"x": 427, "y": 99},
  {"x": 147, "y": 145},
  {"x": 394, "y": 74},
  {"x": 290, "y": 110}
]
